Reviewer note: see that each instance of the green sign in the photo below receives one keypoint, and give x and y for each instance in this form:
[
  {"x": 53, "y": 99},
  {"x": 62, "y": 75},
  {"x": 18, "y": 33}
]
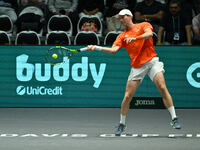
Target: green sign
[{"x": 91, "y": 79}]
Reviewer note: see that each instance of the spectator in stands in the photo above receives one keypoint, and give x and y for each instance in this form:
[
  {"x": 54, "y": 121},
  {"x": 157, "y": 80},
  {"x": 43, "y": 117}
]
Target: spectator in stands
[
  {"x": 65, "y": 7},
  {"x": 189, "y": 7},
  {"x": 9, "y": 7},
  {"x": 196, "y": 29},
  {"x": 176, "y": 25},
  {"x": 161, "y": 1},
  {"x": 31, "y": 15},
  {"x": 41, "y": 4},
  {"x": 91, "y": 7},
  {"x": 197, "y": 6},
  {"x": 113, "y": 7},
  {"x": 150, "y": 11}
]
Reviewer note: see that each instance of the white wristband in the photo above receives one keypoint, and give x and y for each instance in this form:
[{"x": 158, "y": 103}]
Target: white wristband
[{"x": 98, "y": 48}]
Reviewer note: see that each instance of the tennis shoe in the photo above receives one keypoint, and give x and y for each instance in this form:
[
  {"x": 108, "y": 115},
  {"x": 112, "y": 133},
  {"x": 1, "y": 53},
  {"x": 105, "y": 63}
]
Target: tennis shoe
[
  {"x": 120, "y": 128},
  {"x": 175, "y": 124}
]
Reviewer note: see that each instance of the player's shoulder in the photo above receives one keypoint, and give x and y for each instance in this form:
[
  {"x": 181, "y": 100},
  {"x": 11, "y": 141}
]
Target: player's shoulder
[
  {"x": 143, "y": 24},
  {"x": 122, "y": 34}
]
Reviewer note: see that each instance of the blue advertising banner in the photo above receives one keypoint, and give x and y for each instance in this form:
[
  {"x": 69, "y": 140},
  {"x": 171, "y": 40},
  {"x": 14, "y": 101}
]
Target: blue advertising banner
[{"x": 91, "y": 79}]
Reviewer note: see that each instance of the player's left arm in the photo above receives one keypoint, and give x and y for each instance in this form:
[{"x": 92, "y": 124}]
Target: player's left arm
[{"x": 148, "y": 33}]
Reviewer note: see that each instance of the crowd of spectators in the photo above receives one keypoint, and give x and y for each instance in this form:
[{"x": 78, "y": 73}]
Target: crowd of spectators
[{"x": 175, "y": 22}]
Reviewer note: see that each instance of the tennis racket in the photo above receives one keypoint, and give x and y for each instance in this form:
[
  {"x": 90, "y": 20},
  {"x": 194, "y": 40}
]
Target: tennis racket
[{"x": 60, "y": 54}]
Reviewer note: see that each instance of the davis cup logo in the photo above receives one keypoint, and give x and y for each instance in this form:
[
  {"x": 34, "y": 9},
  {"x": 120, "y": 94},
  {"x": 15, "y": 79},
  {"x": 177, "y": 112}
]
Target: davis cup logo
[
  {"x": 193, "y": 75},
  {"x": 21, "y": 90}
]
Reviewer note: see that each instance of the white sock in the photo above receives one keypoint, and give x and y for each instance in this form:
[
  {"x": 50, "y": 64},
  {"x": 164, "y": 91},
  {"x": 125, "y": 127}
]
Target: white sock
[
  {"x": 172, "y": 112},
  {"x": 122, "y": 119}
]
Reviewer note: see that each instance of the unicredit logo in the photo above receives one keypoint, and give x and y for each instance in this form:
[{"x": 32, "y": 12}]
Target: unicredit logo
[
  {"x": 21, "y": 90},
  {"x": 39, "y": 90}
]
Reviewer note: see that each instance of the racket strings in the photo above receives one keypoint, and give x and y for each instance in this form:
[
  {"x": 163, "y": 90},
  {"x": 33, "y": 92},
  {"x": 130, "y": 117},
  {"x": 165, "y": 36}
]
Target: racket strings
[{"x": 63, "y": 54}]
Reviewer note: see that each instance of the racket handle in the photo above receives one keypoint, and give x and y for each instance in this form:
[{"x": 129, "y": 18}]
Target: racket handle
[{"x": 83, "y": 49}]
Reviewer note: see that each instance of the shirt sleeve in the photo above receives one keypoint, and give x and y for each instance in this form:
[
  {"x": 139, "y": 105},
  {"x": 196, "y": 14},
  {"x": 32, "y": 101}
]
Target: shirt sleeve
[
  {"x": 119, "y": 41},
  {"x": 51, "y": 6},
  {"x": 187, "y": 20},
  {"x": 147, "y": 25},
  {"x": 74, "y": 6},
  {"x": 164, "y": 20}
]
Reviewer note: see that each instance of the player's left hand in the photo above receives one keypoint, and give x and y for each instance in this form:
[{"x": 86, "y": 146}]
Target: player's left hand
[{"x": 127, "y": 40}]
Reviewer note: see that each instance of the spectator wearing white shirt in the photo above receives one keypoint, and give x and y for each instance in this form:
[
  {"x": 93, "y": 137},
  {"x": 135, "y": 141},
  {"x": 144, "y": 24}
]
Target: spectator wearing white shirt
[
  {"x": 31, "y": 11},
  {"x": 196, "y": 29},
  {"x": 65, "y": 7},
  {"x": 9, "y": 7}
]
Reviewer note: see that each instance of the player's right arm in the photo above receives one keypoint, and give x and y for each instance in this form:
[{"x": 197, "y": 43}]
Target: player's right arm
[
  {"x": 117, "y": 44},
  {"x": 110, "y": 50}
]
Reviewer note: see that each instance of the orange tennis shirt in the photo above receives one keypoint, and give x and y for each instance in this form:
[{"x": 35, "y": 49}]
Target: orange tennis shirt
[{"x": 140, "y": 51}]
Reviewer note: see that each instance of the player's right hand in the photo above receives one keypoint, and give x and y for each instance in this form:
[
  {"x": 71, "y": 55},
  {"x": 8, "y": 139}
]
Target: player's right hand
[{"x": 91, "y": 47}]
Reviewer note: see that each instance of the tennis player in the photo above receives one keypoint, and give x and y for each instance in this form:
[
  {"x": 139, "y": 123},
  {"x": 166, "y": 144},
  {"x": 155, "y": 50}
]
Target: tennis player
[{"x": 137, "y": 39}]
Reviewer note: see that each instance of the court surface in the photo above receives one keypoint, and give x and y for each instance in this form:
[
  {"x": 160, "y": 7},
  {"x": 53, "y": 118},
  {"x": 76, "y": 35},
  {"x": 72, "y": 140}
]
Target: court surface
[{"x": 93, "y": 128}]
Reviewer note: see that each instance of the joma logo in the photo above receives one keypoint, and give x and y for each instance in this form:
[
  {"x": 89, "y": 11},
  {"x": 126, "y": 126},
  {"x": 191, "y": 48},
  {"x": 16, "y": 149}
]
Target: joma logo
[{"x": 144, "y": 102}]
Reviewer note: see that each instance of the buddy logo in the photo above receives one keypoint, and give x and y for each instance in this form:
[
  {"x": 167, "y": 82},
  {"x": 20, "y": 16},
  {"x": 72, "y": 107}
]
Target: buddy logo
[
  {"x": 193, "y": 75},
  {"x": 79, "y": 71}
]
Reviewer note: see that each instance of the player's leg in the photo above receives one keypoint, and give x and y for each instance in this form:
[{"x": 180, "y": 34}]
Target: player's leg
[
  {"x": 131, "y": 88},
  {"x": 159, "y": 81},
  {"x": 156, "y": 75},
  {"x": 135, "y": 77}
]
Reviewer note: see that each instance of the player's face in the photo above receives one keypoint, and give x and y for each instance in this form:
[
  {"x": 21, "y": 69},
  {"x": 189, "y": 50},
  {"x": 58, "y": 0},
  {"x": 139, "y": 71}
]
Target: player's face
[{"x": 124, "y": 20}]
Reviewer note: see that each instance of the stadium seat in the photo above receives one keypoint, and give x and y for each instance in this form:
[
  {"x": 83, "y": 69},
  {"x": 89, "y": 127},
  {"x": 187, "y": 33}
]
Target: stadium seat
[
  {"x": 60, "y": 23},
  {"x": 31, "y": 26},
  {"x": 27, "y": 38},
  {"x": 86, "y": 37},
  {"x": 57, "y": 38},
  {"x": 110, "y": 37},
  {"x": 6, "y": 24},
  {"x": 95, "y": 19},
  {"x": 4, "y": 38}
]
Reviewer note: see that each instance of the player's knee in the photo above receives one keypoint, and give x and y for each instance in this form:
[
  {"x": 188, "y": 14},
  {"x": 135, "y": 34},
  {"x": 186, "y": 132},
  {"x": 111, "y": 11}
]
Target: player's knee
[
  {"x": 127, "y": 98},
  {"x": 162, "y": 88}
]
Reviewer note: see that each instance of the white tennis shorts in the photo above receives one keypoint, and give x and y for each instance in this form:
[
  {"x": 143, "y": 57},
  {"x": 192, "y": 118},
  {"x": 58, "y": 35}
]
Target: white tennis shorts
[{"x": 151, "y": 68}]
